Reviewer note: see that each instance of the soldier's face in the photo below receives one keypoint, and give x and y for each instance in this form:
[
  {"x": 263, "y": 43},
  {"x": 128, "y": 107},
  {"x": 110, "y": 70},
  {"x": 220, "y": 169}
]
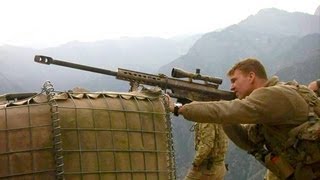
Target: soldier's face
[
  {"x": 313, "y": 86},
  {"x": 241, "y": 83}
]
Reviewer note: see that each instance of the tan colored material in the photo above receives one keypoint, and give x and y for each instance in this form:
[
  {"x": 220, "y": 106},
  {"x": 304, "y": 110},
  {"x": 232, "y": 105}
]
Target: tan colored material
[
  {"x": 211, "y": 146},
  {"x": 270, "y": 176},
  {"x": 217, "y": 172},
  {"x": 210, "y": 143},
  {"x": 104, "y": 136}
]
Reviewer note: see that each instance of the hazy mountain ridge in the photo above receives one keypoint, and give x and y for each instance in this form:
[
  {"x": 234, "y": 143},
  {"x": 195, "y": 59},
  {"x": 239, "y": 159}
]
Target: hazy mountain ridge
[
  {"x": 215, "y": 52},
  {"x": 303, "y": 72},
  {"x": 301, "y": 51},
  {"x": 275, "y": 21},
  {"x": 317, "y": 12},
  {"x": 130, "y": 52},
  {"x": 140, "y": 54}
]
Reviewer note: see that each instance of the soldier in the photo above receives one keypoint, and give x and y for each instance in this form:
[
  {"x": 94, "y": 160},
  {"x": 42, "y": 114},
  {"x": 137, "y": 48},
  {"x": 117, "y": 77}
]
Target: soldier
[
  {"x": 211, "y": 146},
  {"x": 315, "y": 86},
  {"x": 279, "y": 116}
]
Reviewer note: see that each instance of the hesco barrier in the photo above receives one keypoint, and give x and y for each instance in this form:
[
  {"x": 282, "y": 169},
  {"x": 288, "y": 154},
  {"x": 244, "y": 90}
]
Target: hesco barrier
[{"x": 65, "y": 135}]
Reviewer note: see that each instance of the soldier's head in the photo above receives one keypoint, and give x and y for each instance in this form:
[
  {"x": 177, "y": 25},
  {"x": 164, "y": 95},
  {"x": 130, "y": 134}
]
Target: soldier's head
[
  {"x": 246, "y": 76},
  {"x": 315, "y": 86}
]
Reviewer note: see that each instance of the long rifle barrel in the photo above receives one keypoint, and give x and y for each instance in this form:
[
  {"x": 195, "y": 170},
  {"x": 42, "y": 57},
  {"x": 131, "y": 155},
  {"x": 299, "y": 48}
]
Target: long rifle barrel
[
  {"x": 49, "y": 60},
  {"x": 188, "y": 89}
]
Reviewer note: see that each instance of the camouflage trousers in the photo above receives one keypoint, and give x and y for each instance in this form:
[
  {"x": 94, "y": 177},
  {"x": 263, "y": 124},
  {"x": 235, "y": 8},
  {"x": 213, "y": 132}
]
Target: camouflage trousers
[{"x": 217, "y": 172}]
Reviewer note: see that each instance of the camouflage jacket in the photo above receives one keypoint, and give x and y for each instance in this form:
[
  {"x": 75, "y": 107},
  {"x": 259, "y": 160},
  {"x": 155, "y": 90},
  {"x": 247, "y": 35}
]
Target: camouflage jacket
[{"x": 210, "y": 143}]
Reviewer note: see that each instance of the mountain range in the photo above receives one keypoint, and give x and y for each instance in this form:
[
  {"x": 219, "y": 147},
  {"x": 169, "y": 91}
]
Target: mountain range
[
  {"x": 18, "y": 72},
  {"x": 288, "y": 44}
]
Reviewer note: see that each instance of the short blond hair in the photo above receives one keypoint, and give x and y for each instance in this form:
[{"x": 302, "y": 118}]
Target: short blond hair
[{"x": 249, "y": 65}]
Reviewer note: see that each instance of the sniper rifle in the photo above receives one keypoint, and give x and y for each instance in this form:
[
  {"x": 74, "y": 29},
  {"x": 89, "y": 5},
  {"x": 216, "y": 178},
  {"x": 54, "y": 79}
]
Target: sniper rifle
[{"x": 184, "y": 90}]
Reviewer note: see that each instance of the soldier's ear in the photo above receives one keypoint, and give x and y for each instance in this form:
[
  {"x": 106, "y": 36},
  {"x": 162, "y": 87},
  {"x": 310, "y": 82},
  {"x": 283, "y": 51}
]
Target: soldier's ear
[{"x": 251, "y": 77}]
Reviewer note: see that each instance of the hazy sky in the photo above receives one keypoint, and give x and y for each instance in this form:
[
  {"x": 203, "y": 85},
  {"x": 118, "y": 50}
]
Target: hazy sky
[{"x": 51, "y": 22}]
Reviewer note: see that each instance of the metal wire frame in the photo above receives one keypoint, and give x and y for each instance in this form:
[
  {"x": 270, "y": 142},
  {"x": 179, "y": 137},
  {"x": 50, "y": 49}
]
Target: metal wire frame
[
  {"x": 7, "y": 153},
  {"x": 56, "y": 130},
  {"x": 170, "y": 144},
  {"x": 126, "y": 130}
]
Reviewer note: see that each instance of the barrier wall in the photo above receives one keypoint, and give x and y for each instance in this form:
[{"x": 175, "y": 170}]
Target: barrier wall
[{"x": 107, "y": 135}]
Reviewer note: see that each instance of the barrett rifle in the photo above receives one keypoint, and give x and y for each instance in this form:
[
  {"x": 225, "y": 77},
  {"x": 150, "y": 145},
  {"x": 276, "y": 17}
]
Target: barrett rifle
[{"x": 184, "y": 90}]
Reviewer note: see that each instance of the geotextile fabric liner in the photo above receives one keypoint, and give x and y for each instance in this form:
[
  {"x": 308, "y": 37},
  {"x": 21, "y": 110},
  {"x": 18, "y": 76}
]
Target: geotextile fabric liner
[{"x": 103, "y": 136}]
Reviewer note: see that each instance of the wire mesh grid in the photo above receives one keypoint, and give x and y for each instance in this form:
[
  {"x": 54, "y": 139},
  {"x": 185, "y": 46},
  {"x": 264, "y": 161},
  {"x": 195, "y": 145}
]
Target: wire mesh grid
[{"x": 101, "y": 138}]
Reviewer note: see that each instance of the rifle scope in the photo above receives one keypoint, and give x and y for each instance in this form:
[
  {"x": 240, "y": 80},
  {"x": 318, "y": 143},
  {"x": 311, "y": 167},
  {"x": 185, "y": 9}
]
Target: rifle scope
[{"x": 179, "y": 73}]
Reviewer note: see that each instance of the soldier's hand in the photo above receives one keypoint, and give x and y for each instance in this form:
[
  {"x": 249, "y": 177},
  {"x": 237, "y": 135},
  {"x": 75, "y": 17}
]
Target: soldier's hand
[{"x": 169, "y": 102}]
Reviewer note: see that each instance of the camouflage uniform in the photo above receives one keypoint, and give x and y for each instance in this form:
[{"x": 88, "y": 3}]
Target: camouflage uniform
[
  {"x": 211, "y": 146},
  {"x": 274, "y": 110}
]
